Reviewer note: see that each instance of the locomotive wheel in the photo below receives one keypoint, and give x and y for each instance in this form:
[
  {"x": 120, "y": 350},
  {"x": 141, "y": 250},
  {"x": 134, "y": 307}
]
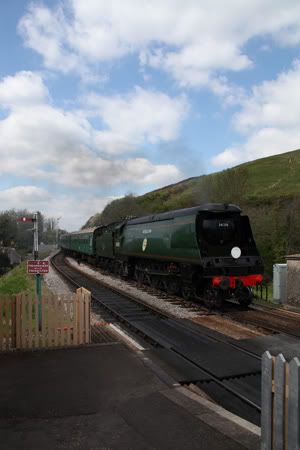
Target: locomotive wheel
[
  {"x": 147, "y": 280},
  {"x": 172, "y": 287},
  {"x": 156, "y": 282},
  {"x": 213, "y": 298},
  {"x": 244, "y": 296},
  {"x": 140, "y": 278},
  {"x": 186, "y": 292},
  {"x": 124, "y": 270}
]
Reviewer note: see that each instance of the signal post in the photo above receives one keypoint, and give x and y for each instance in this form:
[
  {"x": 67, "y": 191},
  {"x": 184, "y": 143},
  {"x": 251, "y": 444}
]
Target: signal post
[{"x": 36, "y": 267}]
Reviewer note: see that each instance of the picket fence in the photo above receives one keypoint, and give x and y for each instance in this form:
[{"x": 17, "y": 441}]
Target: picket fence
[
  {"x": 65, "y": 320},
  {"x": 280, "y": 415}
]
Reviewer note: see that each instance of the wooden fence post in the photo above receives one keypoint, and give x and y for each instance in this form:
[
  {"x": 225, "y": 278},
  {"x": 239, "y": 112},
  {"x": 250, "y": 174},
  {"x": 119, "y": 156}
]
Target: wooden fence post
[
  {"x": 13, "y": 322},
  {"x": 280, "y": 414},
  {"x": 294, "y": 405},
  {"x": 266, "y": 394},
  {"x": 279, "y": 402},
  {"x": 18, "y": 321}
]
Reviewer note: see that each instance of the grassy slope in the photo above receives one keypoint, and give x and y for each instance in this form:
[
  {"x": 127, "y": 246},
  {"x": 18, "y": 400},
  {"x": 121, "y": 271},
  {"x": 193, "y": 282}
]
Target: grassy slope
[
  {"x": 274, "y": 176},
  {"x": 16, "y": 281},
  {"x": 268, "y": 178}
]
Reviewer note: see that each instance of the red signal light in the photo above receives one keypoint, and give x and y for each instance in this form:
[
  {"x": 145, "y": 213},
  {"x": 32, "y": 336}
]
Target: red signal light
[{"x": 25, "y": 219}]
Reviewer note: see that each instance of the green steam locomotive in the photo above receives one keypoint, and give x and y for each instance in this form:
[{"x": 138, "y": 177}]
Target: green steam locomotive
[{"x": 206, "y": 252}]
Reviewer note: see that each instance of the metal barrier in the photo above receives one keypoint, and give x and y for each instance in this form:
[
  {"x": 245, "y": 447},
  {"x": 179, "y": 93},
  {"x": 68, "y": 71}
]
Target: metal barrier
[
  {"x": 261, "y": 291},
  {"x": 280, "y": 416}
]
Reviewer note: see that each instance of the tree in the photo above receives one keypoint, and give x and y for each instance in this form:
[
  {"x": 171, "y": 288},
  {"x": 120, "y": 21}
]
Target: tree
[
  {"x": 4, "y": 263},
  {"x": 14, "y": 233},
  {"x": 116, "y": 211},
  {"x": 230, "y": 186},
  {"x": 8, "y": 229}
]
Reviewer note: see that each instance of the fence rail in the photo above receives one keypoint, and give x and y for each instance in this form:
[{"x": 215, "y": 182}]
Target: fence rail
[
  {"x": 280, "y": 416},
  {"x": 65, "y": 320}
]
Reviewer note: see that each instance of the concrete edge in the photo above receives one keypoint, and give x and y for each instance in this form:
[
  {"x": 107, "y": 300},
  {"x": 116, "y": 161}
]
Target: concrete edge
[
  {"x": 221, "y": 411},
  {"x": 226, "y": 423},
  {"x": 212, "y": 409},
  {"x": 230, "y": 425},
  {"x": 126, "y": 338}
]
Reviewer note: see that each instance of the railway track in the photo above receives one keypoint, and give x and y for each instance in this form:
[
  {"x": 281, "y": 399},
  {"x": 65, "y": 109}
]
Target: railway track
[
  {"x": 215, "y": 363},
  {"x": 273, "y": 321},
  {"x": 269, "y": 319}
]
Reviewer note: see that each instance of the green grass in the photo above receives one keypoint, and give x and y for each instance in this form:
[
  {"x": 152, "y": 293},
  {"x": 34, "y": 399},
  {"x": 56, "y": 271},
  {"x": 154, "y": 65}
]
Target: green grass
[
  {"x": 274, "y": 176},
  {"x": 16, "y": 281},
  {"x": 268, "y": 178}
]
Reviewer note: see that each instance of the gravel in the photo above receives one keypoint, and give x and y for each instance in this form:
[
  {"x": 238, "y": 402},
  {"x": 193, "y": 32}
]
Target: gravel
[
  {"x": 58, "y": 286},
  {"x": 121, "y": 285},
  {"x": 228, "y": 327},
  {"x": 213, "y": 321},
  {"x": 54, "y": 281}
]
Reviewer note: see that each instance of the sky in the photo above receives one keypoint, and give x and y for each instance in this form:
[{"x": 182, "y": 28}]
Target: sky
[{"x": 101, "y": 98}]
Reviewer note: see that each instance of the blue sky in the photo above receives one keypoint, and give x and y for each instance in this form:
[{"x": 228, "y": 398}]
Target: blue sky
[{"x": 99, "y": 99}]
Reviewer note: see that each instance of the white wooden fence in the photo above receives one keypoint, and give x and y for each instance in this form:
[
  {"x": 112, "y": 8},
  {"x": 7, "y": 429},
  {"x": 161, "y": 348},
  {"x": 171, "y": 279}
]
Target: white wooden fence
[
  {"x": 280, "y": 416},
  {"x": 65, "y": 320}
]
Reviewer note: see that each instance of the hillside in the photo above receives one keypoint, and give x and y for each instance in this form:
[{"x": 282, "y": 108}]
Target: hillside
[
  {"x": 267, "y": 189},
  {"x": 264, "y": 179}
]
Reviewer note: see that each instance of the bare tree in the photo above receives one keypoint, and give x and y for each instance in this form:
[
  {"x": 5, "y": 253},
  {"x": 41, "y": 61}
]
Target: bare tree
[{"x": 230, "y": 186}]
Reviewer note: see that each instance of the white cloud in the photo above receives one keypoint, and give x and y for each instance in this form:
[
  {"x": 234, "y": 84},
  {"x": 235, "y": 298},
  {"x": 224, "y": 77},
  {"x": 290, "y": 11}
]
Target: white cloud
[
  {"x": 274, "y": 103},
  {"x": 194, "y": 41},
  {"x": 269, "y": 119},
  {"x": 73, "y": 211},
  {"x": 89, "y": 170},
  {"x": 40, "y": 141},
  {"x": 18, "y": 196},
  {"x": 23, "y": 89},
  {"x": 141, "y": 116},
  {"x": 45, "y": 31}
]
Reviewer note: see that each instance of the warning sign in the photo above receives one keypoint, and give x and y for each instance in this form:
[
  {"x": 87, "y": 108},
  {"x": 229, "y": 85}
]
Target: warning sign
[{"x": 37, "y": 266}]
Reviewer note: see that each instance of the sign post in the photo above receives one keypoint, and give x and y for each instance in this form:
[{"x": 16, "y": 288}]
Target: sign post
[
  {"x": 38, "y": 267},
  {"x": 38, "y": 285}
]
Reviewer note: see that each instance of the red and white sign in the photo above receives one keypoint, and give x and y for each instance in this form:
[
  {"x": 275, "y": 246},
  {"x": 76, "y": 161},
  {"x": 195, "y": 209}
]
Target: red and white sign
[{"x": 37, "y": 266}]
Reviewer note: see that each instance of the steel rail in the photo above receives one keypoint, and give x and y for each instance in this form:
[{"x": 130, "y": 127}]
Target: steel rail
[
  {"x": 155, "y": 341},
  {"x": 262, "y": 324},
  {"x": 158, "y": 312}
]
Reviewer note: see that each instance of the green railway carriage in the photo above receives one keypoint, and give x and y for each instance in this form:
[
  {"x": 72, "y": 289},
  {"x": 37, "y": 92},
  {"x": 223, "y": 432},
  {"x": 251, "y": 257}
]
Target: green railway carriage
[
  {"x": 81, "y": 242},
  {"x": 64, "y": 241}
]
